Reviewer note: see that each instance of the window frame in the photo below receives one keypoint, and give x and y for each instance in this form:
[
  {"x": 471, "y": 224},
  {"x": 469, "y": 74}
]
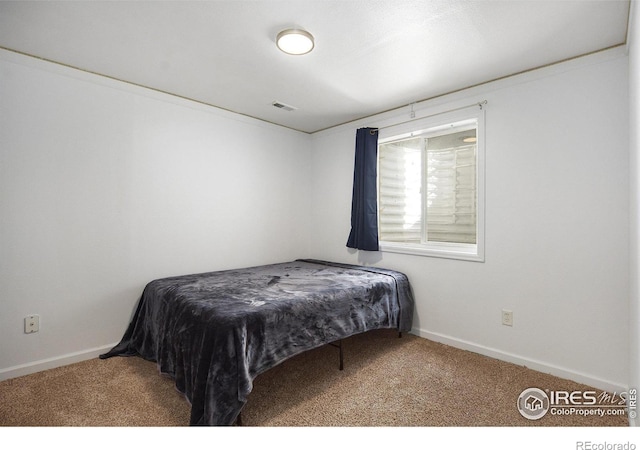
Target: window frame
[{"x": 432, "y": 124}]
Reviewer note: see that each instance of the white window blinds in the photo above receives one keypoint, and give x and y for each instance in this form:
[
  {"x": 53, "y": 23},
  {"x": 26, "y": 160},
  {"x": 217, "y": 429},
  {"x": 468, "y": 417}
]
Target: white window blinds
[
  {"x": 400, "y": 191},
  {"x": 427, "y": 188},
  {"x": 451, "y": 194}
]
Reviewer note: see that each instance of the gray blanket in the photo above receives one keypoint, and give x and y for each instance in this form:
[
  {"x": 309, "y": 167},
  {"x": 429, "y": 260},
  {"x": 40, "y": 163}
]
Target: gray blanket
[{"x": 213, "y": 333}]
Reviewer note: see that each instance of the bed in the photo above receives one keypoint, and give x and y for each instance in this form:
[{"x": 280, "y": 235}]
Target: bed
[{"x": 214, "y": 332}]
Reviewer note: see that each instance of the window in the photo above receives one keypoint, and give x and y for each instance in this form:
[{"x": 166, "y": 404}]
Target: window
[{"x": 431, "y": 187}]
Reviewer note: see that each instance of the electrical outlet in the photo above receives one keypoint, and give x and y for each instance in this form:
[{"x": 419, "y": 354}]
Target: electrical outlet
[
  {"x": 507, "y": 317},
  {"x": 32, "y": 324}
]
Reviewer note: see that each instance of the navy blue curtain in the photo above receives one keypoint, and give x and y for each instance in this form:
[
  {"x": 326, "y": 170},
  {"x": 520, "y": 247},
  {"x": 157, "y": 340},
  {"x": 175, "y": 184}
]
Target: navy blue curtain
[{"x": 364, "y": 204}]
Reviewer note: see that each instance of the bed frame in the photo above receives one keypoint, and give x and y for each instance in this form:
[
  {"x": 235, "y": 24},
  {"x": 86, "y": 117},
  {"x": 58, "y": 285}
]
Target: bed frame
[{"x": 214, "y": 332}]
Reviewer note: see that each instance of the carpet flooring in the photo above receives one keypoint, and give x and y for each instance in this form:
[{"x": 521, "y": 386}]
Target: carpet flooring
[{"x": 386, "y": 382}]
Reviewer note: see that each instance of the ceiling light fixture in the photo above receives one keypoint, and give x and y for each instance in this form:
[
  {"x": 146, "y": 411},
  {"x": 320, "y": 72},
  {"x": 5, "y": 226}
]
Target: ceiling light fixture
[
  {"x": 469, "y": 139},
  {"x": 295, "y": 42}
]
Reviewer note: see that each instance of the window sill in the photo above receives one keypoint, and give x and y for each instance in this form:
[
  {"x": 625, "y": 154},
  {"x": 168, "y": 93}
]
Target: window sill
[{"x": 465, "y": 252}]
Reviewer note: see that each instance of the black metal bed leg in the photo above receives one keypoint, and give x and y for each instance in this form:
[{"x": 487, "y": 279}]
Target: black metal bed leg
[
  {"x": 238, "y": 422},
  {"x": 339, "y": 347},
  {"x": 399, "y": 334}
]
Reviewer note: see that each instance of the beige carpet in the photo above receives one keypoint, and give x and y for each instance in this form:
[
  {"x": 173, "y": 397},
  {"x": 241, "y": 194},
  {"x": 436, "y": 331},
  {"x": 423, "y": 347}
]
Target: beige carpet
[{"x": 386, "y": 382}]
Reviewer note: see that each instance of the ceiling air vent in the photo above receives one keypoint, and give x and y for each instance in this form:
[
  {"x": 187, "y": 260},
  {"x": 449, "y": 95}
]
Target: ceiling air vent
[{"x": 284, "y": 106}]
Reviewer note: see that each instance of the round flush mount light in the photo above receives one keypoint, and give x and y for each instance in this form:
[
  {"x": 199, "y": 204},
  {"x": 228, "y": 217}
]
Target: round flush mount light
[{"x": 295, "y": 42}]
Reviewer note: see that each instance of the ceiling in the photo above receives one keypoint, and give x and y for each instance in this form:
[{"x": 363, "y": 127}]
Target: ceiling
[{"x": 370, "y": 55}]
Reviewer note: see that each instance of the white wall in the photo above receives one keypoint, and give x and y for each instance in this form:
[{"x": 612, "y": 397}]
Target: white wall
[
  {"x": 557, "y": 223},
  {"x": 105, "y": 186},
  {"x": 633, "y": 42}
]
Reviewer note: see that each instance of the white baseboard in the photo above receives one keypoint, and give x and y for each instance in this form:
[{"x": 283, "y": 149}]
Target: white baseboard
[
  {"x": 52, "y": 363},
  {"x": 536, "y": 365}
]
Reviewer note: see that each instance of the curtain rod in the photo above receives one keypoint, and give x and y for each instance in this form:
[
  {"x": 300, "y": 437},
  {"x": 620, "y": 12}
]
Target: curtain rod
[{"x": 478, "y": 104}]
